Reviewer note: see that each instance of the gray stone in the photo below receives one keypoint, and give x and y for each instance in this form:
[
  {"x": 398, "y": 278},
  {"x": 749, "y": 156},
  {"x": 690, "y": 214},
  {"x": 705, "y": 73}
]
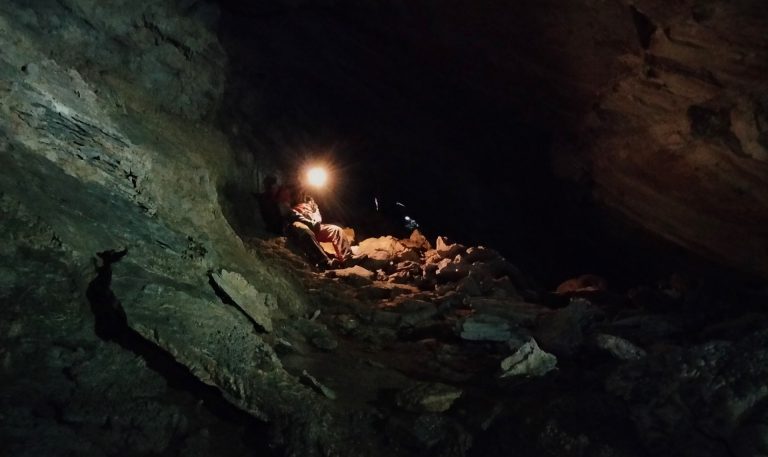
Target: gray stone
[
  {"x": 528, "y": 360},
  {"x": 257, "y": 305}
]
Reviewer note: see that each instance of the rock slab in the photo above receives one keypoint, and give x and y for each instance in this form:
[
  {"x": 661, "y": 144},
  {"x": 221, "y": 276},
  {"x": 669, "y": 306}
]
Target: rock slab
[{"x": 256, "y": 305}]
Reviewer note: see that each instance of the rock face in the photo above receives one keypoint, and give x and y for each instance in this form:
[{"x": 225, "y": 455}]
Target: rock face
[
  {"x": 111, "y": 221},
  {"x": 676, "y": 138}
]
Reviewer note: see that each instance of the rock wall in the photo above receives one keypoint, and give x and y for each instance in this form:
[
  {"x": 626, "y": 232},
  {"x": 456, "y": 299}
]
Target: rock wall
[
  {"x": 111, "y": 219},
  {"x": 676, "y": 141}
]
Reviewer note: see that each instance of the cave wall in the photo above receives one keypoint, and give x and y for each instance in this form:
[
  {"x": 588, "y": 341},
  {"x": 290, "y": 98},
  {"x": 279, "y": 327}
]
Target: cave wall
[
  {"x": 676, "y": 141},
  {"x": 112, "y": 216}
]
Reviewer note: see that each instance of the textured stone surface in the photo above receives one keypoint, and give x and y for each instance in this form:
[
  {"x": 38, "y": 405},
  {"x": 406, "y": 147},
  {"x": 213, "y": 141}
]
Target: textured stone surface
[
  {"x": 257, "y": 305},
  {"x": 707, "y": 400},
  {"x": 428, "y": 397},
  {"x": 528, "y": 360}
]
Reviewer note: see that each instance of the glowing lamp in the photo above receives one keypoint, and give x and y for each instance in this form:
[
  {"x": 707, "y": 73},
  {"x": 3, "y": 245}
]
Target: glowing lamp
[{"x": 317, "y": 177}]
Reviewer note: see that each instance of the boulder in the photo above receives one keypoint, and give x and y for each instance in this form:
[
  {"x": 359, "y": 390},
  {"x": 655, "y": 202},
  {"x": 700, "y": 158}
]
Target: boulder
[
  {"x": 528, "y": 360},
  {"x": 448, "y": 251}
]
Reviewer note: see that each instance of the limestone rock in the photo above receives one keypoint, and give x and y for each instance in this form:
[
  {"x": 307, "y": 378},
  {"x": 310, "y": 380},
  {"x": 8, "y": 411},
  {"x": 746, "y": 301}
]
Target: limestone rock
[
  {"x": 528, "y": 360},
  {"x": 258, "y": 306},
  {"x": 427, "y": 397}
]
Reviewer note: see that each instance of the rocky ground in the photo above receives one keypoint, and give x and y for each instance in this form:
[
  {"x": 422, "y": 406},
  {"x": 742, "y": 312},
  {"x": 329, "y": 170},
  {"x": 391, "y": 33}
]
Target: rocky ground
[{"x": 453, "y": 351}]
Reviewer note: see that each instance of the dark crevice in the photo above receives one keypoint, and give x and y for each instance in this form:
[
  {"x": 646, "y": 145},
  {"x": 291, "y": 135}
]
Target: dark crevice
[
  {"x": 644, "y": 26},
  {"x": 112, "y": 325},
  {"x": 714, "y": 123}
]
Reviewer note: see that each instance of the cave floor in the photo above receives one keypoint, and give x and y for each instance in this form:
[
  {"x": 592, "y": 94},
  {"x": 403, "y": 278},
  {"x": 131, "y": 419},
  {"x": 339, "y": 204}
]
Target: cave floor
[{"x": 407, "y": 361}]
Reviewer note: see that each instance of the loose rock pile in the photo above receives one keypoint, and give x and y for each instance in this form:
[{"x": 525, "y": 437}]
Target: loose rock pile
[{"x": 457, "y": 350}]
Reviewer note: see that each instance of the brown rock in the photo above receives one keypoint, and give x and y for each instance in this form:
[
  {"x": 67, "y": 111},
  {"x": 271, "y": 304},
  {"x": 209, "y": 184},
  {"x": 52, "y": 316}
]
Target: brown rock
[{"x": 448, "y": 251}]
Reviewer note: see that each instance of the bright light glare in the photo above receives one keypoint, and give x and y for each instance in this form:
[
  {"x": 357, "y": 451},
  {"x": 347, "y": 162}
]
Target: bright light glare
[{"x": 317, "y": 177}]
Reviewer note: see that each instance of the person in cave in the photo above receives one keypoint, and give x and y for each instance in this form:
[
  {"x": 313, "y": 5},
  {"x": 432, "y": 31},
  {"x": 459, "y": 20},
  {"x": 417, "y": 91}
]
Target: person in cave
[
  {"x": 304, "y": 224},
  {"x": 269, "y": 205}
]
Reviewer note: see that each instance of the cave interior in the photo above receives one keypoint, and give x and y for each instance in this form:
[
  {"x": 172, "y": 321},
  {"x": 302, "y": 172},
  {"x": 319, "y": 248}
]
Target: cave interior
[{"x": 587, "y": 181}]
